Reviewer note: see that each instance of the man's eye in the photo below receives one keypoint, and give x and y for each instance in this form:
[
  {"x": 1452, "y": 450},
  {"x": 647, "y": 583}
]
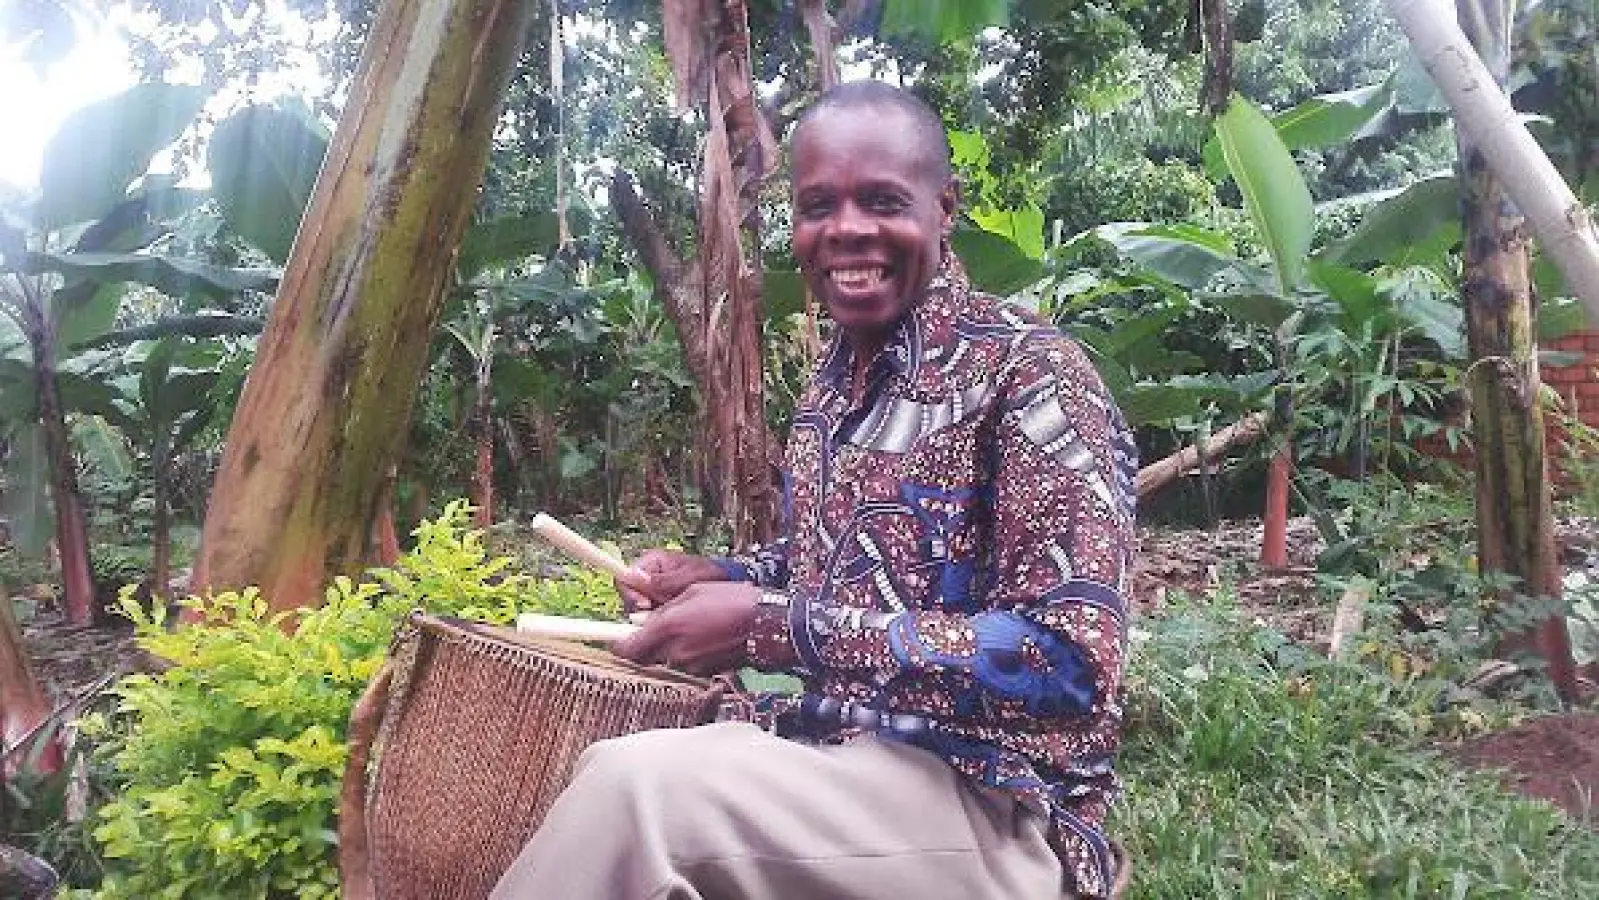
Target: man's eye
[
  {"x": 885, "y": 203},
  {"x": 815, "y": 209}
]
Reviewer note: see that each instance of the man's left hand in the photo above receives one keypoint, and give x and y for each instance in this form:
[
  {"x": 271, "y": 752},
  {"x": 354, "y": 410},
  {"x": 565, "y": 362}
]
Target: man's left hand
[{"x": 701, "y": 632}]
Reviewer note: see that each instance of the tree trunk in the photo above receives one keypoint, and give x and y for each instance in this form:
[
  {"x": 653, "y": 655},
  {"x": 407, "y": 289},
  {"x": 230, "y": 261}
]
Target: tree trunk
[
  {"x": 23, "y": 705},
  {"x": 1158, "y": 474},
  {"x": 72, "y": 532},
  {"x": 323, "y": 414},
  {"x": 715, "y": 300},
  {"x": 483, "y": 471},
  {"x": 385, "y": 536},
  {"x": 1515, "y": 520},
  {"x": 1218, "y": 87},
  {"x": 1563, "y": 225},
  {"x": 823, "y": 33},
  {"x": 161, "y": 543}
]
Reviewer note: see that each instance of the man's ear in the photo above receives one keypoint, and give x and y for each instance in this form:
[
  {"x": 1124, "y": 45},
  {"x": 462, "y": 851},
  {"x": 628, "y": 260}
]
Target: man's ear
[{"x": 949, "y": 202}]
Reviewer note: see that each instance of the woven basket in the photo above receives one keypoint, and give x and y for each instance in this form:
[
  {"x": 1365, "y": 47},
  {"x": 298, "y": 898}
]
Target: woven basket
[{"x": 465, "y": 738}]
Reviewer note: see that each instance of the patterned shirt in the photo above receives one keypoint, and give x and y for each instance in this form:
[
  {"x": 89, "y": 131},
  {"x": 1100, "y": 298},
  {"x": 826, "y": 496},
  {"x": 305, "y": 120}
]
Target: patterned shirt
[{"x": 955, "y": 568}]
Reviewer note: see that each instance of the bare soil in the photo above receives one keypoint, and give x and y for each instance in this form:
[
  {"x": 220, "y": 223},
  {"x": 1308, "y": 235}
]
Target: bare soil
[
  {"x": 1195, "y": 562},
  {"x": 1555, "y": 758},
  {"x": 68, "y": 659}
]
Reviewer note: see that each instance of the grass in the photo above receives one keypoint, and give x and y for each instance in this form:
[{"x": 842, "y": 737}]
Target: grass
[{"x": 1257, "y": 770}]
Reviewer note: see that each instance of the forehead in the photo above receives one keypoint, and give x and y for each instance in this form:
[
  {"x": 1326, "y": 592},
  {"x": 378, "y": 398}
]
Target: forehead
[{"x": 863, "y": 142}]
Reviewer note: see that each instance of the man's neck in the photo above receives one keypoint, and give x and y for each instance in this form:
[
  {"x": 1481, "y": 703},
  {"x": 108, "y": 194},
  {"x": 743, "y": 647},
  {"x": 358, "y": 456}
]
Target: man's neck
[{"x": 865, "y": 353}]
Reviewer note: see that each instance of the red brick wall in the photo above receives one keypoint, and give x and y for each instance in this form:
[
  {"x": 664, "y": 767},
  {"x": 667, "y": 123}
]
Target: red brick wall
[{"x": 1578, "y": 387}]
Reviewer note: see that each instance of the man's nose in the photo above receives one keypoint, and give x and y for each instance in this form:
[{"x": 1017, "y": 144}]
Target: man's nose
[{"x": 851, "y": 223}]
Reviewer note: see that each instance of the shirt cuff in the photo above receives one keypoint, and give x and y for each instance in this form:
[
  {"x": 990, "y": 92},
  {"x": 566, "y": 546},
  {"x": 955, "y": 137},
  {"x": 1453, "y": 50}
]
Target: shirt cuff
[
  {"x": 770, "y": 645},
  {"x": 734, "y": 569}
]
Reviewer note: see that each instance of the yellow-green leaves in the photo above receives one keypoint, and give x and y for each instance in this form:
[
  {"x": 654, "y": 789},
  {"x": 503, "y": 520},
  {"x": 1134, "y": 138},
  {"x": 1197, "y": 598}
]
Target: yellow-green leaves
[{"x": 230, "y": 761}]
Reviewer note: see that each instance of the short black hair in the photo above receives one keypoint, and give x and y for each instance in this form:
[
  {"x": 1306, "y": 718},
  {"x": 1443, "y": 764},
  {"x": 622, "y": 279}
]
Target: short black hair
[{"x": 926, "y": 126}]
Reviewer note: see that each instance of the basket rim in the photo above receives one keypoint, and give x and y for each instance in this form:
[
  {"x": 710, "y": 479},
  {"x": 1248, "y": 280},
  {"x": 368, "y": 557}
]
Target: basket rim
[{"x": 461, "y": 630}]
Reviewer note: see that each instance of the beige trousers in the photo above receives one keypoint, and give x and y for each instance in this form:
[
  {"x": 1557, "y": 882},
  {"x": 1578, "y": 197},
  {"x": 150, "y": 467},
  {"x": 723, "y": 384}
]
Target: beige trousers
[{"x": 729, "y": 812}]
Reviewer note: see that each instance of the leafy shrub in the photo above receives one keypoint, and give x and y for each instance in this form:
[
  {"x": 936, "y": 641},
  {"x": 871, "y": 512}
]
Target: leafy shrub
[
  {"x": 228, "y": 765},
  {"x": 116, "y": 567}
]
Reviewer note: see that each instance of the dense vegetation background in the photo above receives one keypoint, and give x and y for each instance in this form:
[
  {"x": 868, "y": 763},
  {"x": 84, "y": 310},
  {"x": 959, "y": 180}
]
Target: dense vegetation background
[{"x": 1289, "y": 243}]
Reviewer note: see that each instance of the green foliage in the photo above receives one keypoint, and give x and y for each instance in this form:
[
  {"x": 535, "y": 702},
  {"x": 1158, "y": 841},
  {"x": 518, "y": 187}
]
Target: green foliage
[
  {"x": 947, "y": 21},
  {"x": 26, "y": 500},
  {"x": 66, "y": 287},
  {"x": 588, "y": 381},
  {"x": 20, "y": 570},
  {"x": 228, "y": 764},
  {"x": 1417, "y": 225},
  {"x": 264, "y": 162},
  {"x": 1274, "y": 192},
  {"x": 100, "y": 149},
  {"x": 116, "y": 567},
  {"x": 1317, "y": 48},
  {"x": 1096, "y": 192},
  {"x": 1558, "y": 78},
  {"x": 1408, "y": 548},
  {"x": 1258, "y": 769},
  {"x": 170, "y": 274}
]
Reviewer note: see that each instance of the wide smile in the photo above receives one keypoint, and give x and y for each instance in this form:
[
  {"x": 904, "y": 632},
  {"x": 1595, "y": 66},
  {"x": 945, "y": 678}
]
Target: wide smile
[{"x": 858, "y": 279}]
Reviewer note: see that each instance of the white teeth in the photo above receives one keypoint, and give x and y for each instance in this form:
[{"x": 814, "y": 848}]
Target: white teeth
[{"x": 857, "y": 277}]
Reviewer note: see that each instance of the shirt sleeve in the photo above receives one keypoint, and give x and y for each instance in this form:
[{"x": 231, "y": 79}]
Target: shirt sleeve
[
  {"x": 1048, "y": 643},
  {"x": 765, "y": 566}
]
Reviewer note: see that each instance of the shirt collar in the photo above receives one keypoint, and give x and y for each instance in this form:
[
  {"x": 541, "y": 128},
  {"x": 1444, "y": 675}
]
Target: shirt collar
[{"x": 926, "y": 325}]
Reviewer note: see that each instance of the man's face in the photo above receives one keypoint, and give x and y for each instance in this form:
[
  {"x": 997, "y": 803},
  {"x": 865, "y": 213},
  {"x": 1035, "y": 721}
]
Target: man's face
[{"x": 869, "y": 212}]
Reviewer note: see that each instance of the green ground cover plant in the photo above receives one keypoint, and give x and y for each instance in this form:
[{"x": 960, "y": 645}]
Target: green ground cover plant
[
  {"x": 1256, "y": 768},
  {"x": 225, "y": 768}
]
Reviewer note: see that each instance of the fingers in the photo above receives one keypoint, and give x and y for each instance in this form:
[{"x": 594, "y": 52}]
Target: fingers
[
  {"x": 660, "y": 576},
  {"x": 701, "y": 631},
  {"x": 640, "y": 586},
  {"x": 646, "y": 645},
  {"x": 633, "y": 589}
]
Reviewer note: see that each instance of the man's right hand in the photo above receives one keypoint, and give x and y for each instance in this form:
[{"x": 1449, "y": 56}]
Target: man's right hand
[{"x": 669, "y": 573}]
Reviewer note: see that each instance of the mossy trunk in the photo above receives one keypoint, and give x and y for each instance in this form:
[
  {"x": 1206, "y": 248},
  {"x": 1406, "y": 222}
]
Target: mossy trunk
[
  {"x": 325, "y": 410},
  {"x": 1515, "y": 514}
]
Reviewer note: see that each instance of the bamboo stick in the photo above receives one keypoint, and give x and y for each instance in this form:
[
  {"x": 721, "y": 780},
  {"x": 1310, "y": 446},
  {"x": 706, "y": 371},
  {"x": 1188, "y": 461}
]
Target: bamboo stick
[
  {"x": 568, "y": 629},
  {"x": 582, "y": 549}
]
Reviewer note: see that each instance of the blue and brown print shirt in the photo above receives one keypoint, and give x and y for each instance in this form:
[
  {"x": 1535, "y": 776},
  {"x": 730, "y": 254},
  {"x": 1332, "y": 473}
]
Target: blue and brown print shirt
[{"x": 956, "y": 562}]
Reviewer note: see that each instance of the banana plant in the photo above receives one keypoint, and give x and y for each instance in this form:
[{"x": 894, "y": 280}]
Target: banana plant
[
  {"x": 476, "y": 332},
  {"x": 161, "y": 405},
  {"x": 96, "y": 225},
  {"x": 488, "y": 295},
  {"x": 1278, "y": 293}
]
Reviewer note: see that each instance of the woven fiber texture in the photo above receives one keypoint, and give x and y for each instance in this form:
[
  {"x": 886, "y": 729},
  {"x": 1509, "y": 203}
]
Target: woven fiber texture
[{"x": 480, "y": 733}]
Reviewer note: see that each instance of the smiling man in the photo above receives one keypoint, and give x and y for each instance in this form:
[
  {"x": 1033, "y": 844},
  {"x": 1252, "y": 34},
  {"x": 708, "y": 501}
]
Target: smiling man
[{"x": 951, "y": 592}]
